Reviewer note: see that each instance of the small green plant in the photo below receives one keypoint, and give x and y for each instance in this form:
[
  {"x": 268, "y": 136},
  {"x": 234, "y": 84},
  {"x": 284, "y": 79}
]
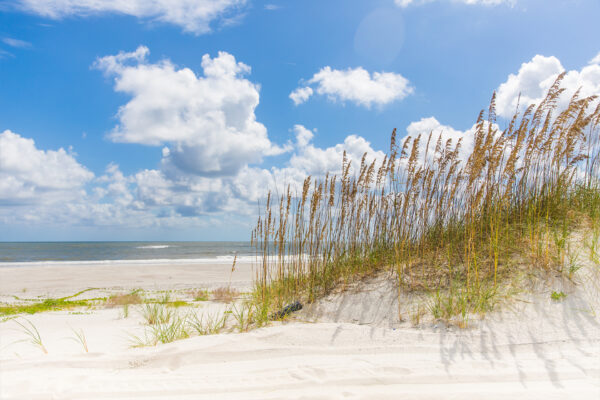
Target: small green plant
[
  {"x": 573, "y": 266},
  {"x": 244, "y": 316},
  {"x": 558, "y": 296},
  {"x": 208, "y": 324},
  {"x": 80, "y": 338},
  {"x": 176, "y": 328},
  {"x": 125, "y": 310},
  {"x": 592, "y": 243},
  {"x": 33, "y": 334},
  {"x": 155, "y": 313},
  {"x": 165, "y": 298},
  {"x": 417, "y": 315},
  {"x": 200, "y": 295}
]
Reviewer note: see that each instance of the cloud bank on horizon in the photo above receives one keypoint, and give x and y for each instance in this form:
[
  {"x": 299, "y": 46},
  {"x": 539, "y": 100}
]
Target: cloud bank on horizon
[{"x": 212, "y": 159}]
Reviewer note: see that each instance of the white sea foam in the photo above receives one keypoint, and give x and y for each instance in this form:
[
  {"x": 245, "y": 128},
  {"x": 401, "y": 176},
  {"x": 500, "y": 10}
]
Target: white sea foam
[
  {"x": 225, "y": 260},
  {"x": 162, "y": 246},
  {"x": 218, "y": 260}
]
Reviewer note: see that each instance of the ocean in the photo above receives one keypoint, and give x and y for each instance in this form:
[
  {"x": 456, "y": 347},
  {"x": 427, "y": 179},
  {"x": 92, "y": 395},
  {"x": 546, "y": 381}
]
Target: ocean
[{"x": 51, "y": 253}]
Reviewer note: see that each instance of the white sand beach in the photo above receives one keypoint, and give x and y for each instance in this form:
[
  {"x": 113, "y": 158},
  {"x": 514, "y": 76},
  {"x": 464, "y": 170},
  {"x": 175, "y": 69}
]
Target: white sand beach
[
  {"x": 64, "y": 280},
  {"x": 340, "y": 348}
]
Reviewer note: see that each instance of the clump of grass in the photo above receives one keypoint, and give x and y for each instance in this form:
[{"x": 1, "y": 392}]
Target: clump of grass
[
  {"x": 164, "y": 298},
  {"x": 417, "y": 314},
  {"x": 457, "y": 223},
  {"x": 156, "y": 313},
  {"x": 32, "y": 332},
  {"x": 79, "y": 337},
  {"x": 200, "y": 295},
  {"x": 208, "y": 324},
  {"x": 175, "y": 328},
  {"x": 225, "y": 294},
  {"x": 124, "y": 299},
  {"x": 557, "y": 296},
  {"x": 244, "y": 316}
]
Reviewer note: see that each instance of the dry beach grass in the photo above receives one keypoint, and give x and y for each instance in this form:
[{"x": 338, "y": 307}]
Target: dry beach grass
[{"x": 459, "y": 224}]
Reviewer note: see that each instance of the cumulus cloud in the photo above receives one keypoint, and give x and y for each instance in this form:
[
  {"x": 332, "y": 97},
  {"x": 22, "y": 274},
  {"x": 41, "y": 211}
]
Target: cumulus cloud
[
  {"x": 207, "y": 122},
  {"x": 530, "y": 84},
  {"x": 357, "y": 86},
  {"x": 315, "y": 161},
  {"x": 30, "y": 175},
  {"x": 406, "y": 3},
  {"x": 303, "y": 136},
  {"x": 595, "y": 60},
  {"x": 301, "y": 94},
  {"x": 193, "y": 16}
]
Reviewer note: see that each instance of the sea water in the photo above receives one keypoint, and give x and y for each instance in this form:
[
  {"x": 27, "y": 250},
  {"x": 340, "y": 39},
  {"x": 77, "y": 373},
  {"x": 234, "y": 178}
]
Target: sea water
[{"x": 51, "y": 253}]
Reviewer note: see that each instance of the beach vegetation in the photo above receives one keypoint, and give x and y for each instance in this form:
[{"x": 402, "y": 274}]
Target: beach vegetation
[
  {"x": 208, "y": 323},
  {"x": 225, "y": 294},
  {"x": 32, "y": 333},
  {"x": 458, "y": 221},
  {"x": 156, "y": 313},
  {"x": 80, "y": 338},
  {"x": 176, "y": 328},
  {"x": 200, "y": 295},
  {"x": 557, "y": 296},
  {"x": 125, "y": 299},
  {"x": 178, "y": 303},
  {"x": 42, "y": 306}
]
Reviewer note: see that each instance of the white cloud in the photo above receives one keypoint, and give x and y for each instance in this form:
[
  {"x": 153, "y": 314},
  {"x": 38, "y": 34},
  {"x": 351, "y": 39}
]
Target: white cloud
[
  {"x": 315, "y": 161},
  {"x": 272, "y": 7},
  {"x": 303, "y": 136},
  {"x": 301, "y": 94},
  {"x": 28, "y": 174},
  {"x": 357, "y": 86},
  {"x": 192, "y": 15},
  {"x": 406, "y": 3},
  {"x": 595, "y": 60},
  {"x": 208, "y": 122},
  {"x": 535, "y": 78},
  {"x": 16, "y": 42}
]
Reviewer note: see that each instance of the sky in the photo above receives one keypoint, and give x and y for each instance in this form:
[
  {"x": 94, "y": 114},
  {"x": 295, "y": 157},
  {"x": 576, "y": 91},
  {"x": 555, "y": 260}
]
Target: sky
[{"x": 171, "y": 119}]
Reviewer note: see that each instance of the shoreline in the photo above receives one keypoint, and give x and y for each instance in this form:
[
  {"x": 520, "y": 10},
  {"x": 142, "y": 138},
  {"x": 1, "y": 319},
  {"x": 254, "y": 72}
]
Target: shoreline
[{"x": 64, "y": 280}]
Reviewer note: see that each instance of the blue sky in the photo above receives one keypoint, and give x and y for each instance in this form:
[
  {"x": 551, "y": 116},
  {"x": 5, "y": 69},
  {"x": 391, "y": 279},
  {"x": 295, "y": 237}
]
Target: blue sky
[{"x": 180, "y": 136}]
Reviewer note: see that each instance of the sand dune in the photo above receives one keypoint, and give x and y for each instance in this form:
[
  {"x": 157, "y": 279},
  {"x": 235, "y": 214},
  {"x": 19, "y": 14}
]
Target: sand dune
[
  {"x": 535, "y": 348},
  {"x": 324, "y": 360}
]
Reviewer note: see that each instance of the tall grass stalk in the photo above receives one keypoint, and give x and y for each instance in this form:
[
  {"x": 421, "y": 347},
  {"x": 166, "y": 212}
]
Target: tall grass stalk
[{"x": 442, "y": 217}]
